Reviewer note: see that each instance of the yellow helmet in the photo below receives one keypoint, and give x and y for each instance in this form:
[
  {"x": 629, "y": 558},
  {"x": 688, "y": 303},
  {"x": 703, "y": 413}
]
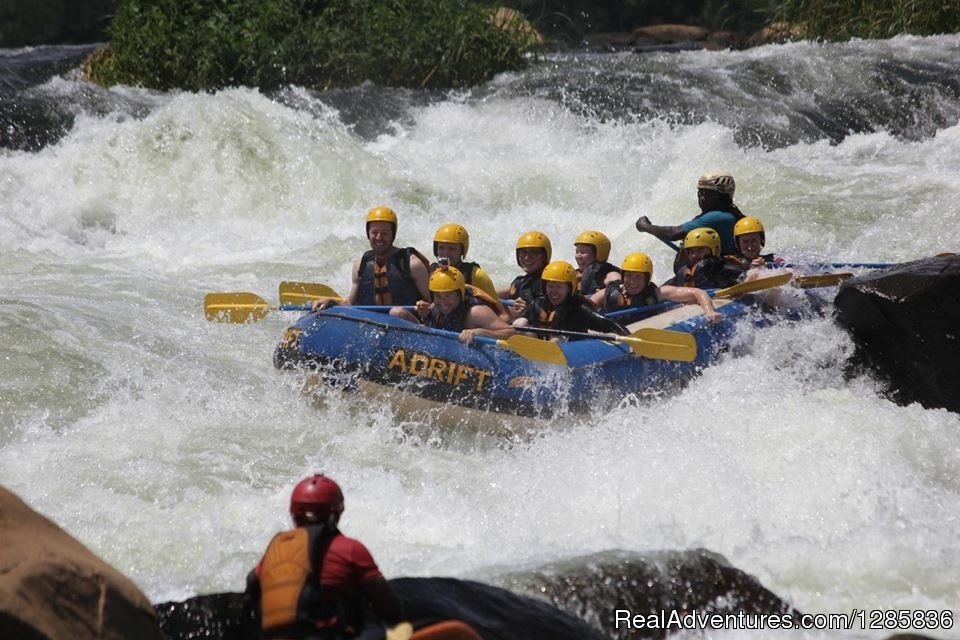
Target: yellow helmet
[
  {"x": 560, "y": 271},
  {"x": 449, "y": 279},
  {"x": 703, "y": 237},
  {"x": 717, "y": 181},
  {"x": 749, "y": 224},
  {"x": 382, "y": 213},
  {"x": 534, "y": 240},
  {"x": 639, "y": 262},
  {"x": 453, "y": 233},
  {"x": 598, "y": 241}
]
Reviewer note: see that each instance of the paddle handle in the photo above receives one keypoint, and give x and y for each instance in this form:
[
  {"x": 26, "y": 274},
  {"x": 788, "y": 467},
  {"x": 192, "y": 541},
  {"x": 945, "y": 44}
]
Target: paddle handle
[
  {"x": 369, "y": 307},
  {"x": 838, "y": 265}
]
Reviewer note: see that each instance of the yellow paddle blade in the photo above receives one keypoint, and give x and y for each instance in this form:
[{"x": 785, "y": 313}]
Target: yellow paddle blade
[
  {"x": 535, "y": 349},
  {"x": 402, "y": 631},
  {"x": 754, "y": 285},
  {"x": 822, "y": 280},
  {"x": 305, "y": 292},
  {"x": 662, "y": 344},
  {"x": 235, "y": 306}
]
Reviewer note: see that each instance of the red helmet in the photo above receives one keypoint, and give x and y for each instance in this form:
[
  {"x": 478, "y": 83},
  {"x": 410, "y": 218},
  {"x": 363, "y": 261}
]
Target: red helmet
[{"x": 316, "y": 499}]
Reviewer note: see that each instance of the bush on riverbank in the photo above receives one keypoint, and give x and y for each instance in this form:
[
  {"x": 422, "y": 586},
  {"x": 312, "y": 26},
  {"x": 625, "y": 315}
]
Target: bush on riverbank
[
  {"x": 844, "y": 19},
  {"x": 209, "y": 44}
]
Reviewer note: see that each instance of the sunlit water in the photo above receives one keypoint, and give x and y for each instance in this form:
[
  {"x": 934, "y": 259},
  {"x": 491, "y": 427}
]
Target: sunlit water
[{"x": 169, "y": 444}]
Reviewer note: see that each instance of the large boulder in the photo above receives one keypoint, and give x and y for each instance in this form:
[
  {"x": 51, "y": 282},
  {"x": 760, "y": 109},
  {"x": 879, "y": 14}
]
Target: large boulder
[
  {"x": 596, "y": 587},
  {"x": 54, "y": 588},
  {"x": 496, "y": 614},
  {"x": 905, "y": 321}
]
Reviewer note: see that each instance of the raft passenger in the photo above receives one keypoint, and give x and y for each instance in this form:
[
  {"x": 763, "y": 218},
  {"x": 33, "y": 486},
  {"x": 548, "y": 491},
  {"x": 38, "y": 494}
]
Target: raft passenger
[
  {"x": 457, "y": 307},
  {"x": 700, "y": 264},
  {"x": 637, "y": 289},
  {"x": 450, "y": 243},
  {"x": 591, "y": 250},
  {"x": 561, "y": 308},
  {"x": 385, "y": 275},
  {"x": 533, "y": 252}
]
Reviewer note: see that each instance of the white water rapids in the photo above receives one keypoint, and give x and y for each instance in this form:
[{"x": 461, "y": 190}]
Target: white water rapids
[{"x": 169, "y": 445}]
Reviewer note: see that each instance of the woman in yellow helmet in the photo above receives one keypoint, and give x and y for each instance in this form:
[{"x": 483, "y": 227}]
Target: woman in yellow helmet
[
  {"x": 700, "y": 264},
  {"x": 450, "y": 244},
  {"x": 637, "y": 289},
  {"x": 453, "y": 308},
  {"x": 591, "y": 250},
  {"x": 562, "y": 308},
  {"x": 750, "y": 238},
  {"x": 533, "y": 253}
]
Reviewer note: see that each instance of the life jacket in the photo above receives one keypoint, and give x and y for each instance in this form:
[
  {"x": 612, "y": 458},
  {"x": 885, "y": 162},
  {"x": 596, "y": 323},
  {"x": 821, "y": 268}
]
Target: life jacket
[
  {"x": 456, "y": 320},
  {"x": 738, "y": 259},
  {"x": 593, "y": 276},
  {"x": 388, "y": 284},
  {"x": 527, "y": 287},
  {"x": 292, "y": 600},
  {"x": 615, "y": 297},
  {"x": 576, "y": 313},
  {"x": 466, "y": 268},
  {"x": 711, "y": 272}
]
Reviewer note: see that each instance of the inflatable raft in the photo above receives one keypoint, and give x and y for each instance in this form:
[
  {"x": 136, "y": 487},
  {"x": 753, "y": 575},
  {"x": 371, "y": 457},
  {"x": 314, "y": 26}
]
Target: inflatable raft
[{"x": 353, "y": 347}]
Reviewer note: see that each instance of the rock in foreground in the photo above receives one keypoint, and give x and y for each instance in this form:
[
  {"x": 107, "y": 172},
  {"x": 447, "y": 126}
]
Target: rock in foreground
[{"x": 54, "y": 588}]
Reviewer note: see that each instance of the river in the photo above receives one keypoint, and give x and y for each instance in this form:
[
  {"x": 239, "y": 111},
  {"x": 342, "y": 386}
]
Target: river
[{"x": 169, "y": 445}]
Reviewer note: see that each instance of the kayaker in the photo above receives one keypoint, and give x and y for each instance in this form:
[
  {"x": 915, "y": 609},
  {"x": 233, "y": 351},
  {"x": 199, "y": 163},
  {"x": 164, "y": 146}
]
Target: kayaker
[
  {"x": 637, "y": 289},
  {"x": 533, "y": 252},
  {"x": 700, "y": 264},
  {"x": 456, "y": 306},
  {"x": 591, "y": 251},
  {"x": 385, "y": 275},
  {"x": 715, "y": 196},
  {"x": 314, "y": 583},
  {"x": 561, "y": 308},
  {"x": 450, "y": 243}
]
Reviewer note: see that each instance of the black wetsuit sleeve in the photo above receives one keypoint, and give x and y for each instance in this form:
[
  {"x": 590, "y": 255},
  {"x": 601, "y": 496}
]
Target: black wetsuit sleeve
[
  {"x": 603, "y": 323},
  {"x": 384, "y": 601}
]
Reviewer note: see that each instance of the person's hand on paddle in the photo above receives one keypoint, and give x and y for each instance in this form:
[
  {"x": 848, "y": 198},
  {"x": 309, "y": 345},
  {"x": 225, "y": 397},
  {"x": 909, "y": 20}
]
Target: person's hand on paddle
[
  {"x": 320, "y": 305},
  {"x": 422, "y": 307},
  {"x": 517, "y": 309},
  {"x": 643, "y": 224}
]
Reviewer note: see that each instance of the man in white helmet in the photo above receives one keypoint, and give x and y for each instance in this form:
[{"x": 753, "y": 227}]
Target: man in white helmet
[{"x": 715, "y": 196}]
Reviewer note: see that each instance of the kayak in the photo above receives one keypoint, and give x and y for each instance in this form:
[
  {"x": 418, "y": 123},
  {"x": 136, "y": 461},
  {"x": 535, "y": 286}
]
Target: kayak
[{"x": 355, "y": 348}]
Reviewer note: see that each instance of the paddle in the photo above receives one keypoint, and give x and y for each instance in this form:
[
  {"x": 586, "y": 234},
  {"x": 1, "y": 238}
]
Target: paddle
[
  {"x": 294, "y": 292},
  {"x": 839, "y": 265},
  {"x": 530, "y": 348},
  {"x": 656, "y": 344},
  {"x": 821, "y": 280},
  {"x": 240, "y": 307}
]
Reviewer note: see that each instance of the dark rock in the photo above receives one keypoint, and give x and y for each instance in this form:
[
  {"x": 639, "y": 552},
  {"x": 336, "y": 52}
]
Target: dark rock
[
  {"x": 54, "y": 588},
  {"x": 906, "y": 324},
  {"x": 594, "y": 587},
  {"x": 495, "y": 613}
]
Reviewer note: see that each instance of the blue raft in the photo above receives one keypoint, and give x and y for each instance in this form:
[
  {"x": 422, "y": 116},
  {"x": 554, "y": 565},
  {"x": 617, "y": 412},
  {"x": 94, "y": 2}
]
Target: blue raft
[{"x": 346, "y": 345}]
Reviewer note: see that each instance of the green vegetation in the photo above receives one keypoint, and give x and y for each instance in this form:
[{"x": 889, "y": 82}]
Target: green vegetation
[
  {"x": 844, "y": 19},
  {"x": 209, "y": 44}
]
